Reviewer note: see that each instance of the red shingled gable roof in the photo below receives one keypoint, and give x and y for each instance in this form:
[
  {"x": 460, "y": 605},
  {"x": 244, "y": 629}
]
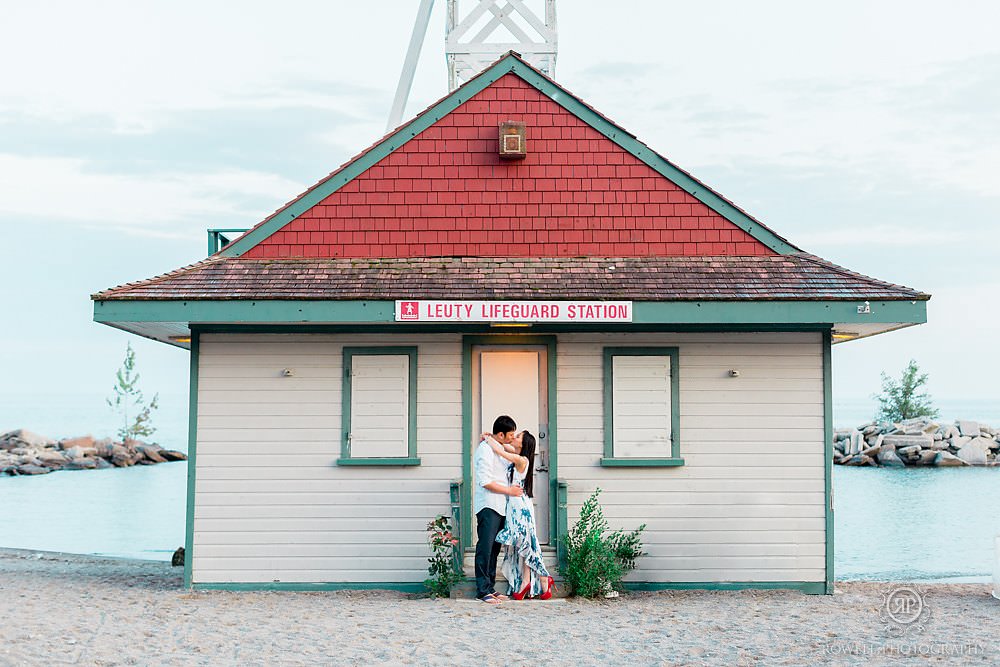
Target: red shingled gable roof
[
  {"x": 426, "y": 209},
  {"x": 446, "y": 192},
  {"x": 436, "y": 187}
]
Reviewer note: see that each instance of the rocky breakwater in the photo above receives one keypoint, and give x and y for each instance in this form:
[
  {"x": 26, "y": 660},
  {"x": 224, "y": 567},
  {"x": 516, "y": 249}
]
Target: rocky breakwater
[
  {"x": 917, "y": 442},
  {"x": 25, "y": 453}
]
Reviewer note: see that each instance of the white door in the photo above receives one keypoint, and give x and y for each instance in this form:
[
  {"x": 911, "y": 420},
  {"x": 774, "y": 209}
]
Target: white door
[{"x": 512, "y": 381}]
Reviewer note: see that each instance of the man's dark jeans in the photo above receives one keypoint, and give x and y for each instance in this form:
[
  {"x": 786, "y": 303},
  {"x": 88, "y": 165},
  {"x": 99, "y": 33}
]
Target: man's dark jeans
[{"x": 488, "y": 525}]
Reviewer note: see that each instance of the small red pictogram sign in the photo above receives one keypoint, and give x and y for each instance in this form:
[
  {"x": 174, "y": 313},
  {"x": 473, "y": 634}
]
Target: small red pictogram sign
[{"x": 409, "y": 310}]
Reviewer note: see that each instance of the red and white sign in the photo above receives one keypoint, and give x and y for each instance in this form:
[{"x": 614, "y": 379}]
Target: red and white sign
[{"x": 513, "y": 311}]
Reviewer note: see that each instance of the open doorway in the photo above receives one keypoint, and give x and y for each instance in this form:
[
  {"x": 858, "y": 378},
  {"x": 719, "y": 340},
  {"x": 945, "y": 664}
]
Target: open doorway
[{"x": 513, "y": 380}]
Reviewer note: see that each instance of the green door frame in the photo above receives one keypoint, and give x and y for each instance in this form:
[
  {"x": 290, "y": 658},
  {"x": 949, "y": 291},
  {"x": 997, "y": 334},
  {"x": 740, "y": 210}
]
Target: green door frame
[{"x": 467, "y": 395}]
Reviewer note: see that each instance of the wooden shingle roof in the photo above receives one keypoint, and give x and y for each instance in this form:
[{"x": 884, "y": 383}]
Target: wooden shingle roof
[{"x": 780, "y": 277}]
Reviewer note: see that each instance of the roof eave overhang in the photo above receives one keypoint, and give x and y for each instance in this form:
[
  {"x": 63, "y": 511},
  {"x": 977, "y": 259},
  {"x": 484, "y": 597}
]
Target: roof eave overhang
[{"x": 171, "y": 321}]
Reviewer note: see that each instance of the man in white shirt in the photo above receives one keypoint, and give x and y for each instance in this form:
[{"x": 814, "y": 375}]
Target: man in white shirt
[{"x": 493, "y": 486}]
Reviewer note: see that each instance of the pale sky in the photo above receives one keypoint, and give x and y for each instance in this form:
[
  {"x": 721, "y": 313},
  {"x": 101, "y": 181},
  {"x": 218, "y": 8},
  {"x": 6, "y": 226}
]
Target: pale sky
[{"x": 866, "y": 133}]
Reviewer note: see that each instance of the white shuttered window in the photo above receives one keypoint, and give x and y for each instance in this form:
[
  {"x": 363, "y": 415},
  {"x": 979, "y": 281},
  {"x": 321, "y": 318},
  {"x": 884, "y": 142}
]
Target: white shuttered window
[
  {"x": 379, "y": 404},
  {"x": 641, "y": 406}
]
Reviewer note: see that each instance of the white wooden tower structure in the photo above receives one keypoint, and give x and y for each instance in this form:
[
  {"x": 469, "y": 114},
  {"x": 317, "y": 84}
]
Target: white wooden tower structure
[{"x": 476, "y": 38}]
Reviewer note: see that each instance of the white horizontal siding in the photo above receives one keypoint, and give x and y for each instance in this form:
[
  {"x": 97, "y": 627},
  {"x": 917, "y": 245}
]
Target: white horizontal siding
[
  {"x": 748, "y": 505},
  {"x": 270, "y": 502}
]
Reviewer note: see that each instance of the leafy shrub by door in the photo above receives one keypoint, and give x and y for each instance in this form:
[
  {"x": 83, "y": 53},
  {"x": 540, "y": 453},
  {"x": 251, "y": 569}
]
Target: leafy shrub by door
[{"x": 596, "y": 562}]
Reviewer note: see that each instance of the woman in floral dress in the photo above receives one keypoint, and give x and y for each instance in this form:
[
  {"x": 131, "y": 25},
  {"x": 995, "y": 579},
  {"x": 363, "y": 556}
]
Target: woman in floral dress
[{"x": 522, "y": 562}]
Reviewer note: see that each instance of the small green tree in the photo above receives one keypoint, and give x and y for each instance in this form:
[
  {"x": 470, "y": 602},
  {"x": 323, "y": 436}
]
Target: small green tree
[
  {"x": 903, "y": 399},
  {"x": 596, "y": 563},
  {"x": 128, "y": 401}
]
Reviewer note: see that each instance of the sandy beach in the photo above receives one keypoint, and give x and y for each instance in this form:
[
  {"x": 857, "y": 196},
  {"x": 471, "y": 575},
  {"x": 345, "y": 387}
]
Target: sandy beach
[{"x": 69, "y": 609}]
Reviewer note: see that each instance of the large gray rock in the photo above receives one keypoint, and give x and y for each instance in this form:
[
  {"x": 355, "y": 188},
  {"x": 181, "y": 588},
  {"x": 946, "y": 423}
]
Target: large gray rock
[
  {"x": 983, "y": 442},
  {"x": 916, "y": 426},
  {"x": 899, "y": 441},
  {"x": 873, "y": 450},
  {"x": 874, "y": 446},
  {"x": 948, "y": 432},
  {"x": 122, "y": 456},
  {"x": 84, "y": 442},
  {"x": 887, "y": 456},
  {"x": 104, "y": 448},
  {"x": 50, "y": 455},
  {"x": 81, "y": 464},
  {"x": 959, "y": 441},
  {"x": 969, "y": 428},
  {"x": 73, "y": 453},
  {"x": 30, "y": 469},
  {"x": 151, "y": 453},
  {"x": 927, "y": 457},
  {"x": 855, "y": 443},
  {"x": 24, "y": 438},
  {"x": 173, "y": 455},
  {"x": 974, "y": 453},
  {"x": 948, "y": 459}
]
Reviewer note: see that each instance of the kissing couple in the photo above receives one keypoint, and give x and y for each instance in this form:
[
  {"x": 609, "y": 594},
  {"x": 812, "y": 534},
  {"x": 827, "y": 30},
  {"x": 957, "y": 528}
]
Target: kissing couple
[{"x": 505, "y": 516}]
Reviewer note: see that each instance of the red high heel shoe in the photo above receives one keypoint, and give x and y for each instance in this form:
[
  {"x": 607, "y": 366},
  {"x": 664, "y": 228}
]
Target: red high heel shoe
[
  {"x": 548, "y": 589},
  {"x": 523, "y": 593}
]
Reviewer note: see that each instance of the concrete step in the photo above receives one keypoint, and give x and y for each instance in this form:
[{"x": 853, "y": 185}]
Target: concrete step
[{"x": 467, "y": 589}]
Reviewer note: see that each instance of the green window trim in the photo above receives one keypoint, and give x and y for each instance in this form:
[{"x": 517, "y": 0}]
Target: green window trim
[
  {"x": 411, "y": 459},
  {"x": 624, "y": 462},
  {"x": 380, "y": 461},
  {"x": 609, "y": 459}
]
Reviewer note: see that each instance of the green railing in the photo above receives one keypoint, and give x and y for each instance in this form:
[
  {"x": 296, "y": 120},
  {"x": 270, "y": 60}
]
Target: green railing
[
  {"x": 456, "y": 524},
  {"x": 220, "y": 238}
]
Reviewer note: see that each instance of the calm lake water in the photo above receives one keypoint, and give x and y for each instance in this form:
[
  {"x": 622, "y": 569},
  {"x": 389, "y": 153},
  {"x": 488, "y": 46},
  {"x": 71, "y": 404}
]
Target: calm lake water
[{"x": 891, "y": 524}]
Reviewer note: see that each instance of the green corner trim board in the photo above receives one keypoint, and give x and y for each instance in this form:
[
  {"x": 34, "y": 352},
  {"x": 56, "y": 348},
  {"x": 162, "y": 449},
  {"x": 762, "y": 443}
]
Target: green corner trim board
[
  {"x": 383, "y": 312},
  {"x": 509, "y": 64},
  {"x": 192, "y": 466},
  {"x": 828, "y": 457}
]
